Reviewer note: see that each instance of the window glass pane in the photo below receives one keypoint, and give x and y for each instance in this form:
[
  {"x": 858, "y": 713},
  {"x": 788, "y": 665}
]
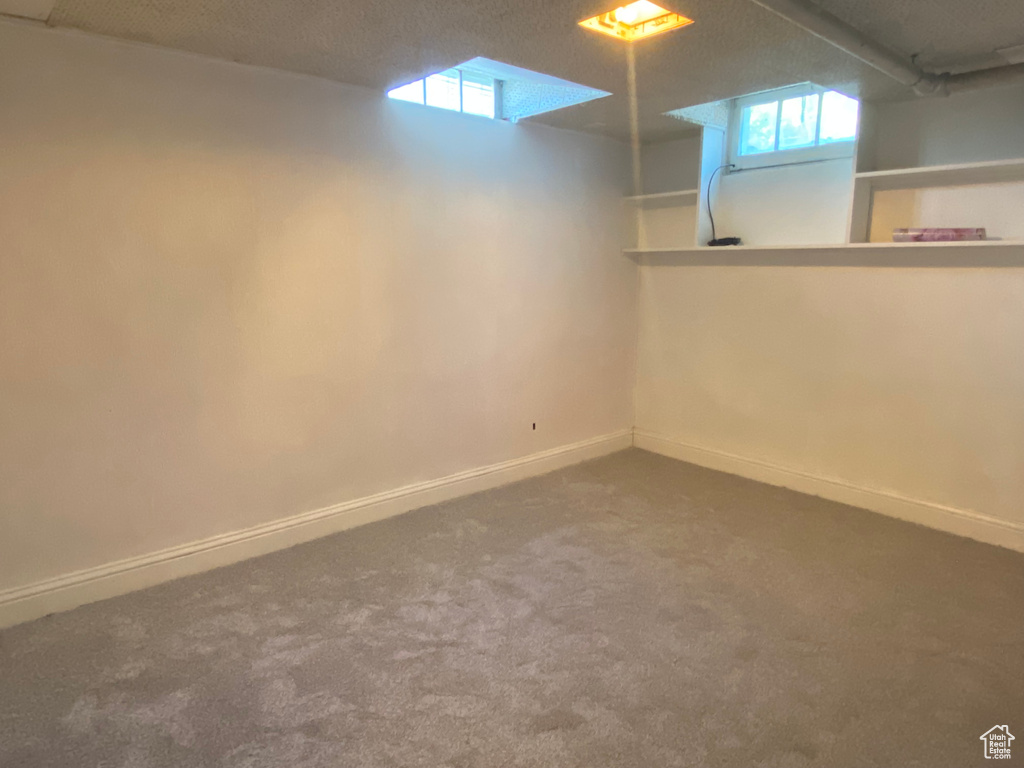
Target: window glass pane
[
  {"x": 757, "y": 133},
  {"x": 838, "y": 117},
  {"x": 477, "y": 94},
  {"x": 799, "y": 122},
  {"x": 443, "y": 90},
  {"x": 412, "y": 92}
]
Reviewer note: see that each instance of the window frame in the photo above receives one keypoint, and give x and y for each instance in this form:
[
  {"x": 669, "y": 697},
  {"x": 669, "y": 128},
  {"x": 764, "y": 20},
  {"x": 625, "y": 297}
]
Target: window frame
[
  {"x": 422, "y": 83},
  {"x": 834, "y": 150}
]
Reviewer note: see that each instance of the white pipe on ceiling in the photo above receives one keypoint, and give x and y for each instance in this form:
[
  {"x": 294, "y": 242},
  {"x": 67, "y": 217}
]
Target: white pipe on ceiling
[
  {"x": 834, "y": 30},
  {"x": 984, "y": 78}
]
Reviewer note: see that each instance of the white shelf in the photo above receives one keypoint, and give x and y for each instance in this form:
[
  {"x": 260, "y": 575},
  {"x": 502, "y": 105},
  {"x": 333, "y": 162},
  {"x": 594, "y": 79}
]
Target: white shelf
[
  {"x": 686, "y": 196},
  {"x": 866, "y": 184},
  {"x": 1007, "y": 244},
  {"x": 945, "y": 175},
  {"x": 983, "y": 253}
]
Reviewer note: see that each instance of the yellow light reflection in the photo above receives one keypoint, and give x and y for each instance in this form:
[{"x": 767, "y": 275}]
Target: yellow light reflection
[{"x": 636, "y": 21}]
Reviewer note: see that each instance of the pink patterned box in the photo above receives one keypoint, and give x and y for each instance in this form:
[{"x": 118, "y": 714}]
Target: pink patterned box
[{"x": 937, "y": 235}]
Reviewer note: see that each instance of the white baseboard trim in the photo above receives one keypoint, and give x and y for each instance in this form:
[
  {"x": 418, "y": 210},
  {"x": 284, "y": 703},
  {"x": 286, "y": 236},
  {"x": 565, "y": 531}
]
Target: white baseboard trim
[
  {"x": 973, "y": 525},
  {"x": 71, "y": 590}
]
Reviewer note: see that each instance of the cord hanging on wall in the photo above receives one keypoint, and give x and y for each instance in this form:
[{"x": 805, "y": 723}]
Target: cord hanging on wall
[{"x": 714, "y": 236}]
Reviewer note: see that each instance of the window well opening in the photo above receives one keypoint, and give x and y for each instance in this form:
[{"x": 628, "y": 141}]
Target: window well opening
[{"x": 492, "y": 89}]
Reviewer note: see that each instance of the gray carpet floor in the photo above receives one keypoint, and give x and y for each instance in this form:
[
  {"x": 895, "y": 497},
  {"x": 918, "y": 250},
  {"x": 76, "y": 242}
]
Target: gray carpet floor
[{"x": 631, "y": 611}]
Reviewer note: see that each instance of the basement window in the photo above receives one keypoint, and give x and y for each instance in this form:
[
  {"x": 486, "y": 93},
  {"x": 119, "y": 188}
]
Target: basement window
[
  {"x": 455, "y": 89},
  {"x": 495, "y": 90},
  {"x": 800, "y": 124}
]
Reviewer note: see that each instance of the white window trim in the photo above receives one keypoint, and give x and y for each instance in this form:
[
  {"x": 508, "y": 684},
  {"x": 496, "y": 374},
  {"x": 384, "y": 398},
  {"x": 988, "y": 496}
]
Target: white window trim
[{"x": 832, "y": 151}]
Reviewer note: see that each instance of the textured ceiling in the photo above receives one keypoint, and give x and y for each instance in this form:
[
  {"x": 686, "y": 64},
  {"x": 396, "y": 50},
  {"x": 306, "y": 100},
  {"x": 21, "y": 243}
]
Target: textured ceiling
[
  {"x": 736, "y": 47},
  {"x": 943, "y": 34}
]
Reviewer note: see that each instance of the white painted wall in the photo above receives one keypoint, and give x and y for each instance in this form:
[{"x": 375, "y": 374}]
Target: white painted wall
[
  {"x": 997, "y": 207},
  {"x": 713, "y": 152},
  {"x": 229, "y": 295},
  {"x": 905, "y": 381},
  {"x": 666, "y": 224},
  {"x": 791, "y": 205},
  {"x": 969, "y": 127},
  {"x": 670, "y": 166}
]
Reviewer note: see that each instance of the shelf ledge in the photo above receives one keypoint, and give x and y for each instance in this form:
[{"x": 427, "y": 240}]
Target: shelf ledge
[
  {"x": 992, "y": 172},
  {"x": 985, "y": 253},
  {"x": 682, "y": 194}
]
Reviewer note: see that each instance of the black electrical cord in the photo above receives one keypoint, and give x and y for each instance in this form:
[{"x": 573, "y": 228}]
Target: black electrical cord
[{"x": 714, "y": 235}]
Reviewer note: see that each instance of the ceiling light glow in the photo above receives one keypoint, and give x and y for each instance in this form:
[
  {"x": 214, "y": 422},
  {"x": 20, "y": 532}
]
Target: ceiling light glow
[
  {"x": 627, "y": 14},
  {"x": 636, "y": 21}
]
